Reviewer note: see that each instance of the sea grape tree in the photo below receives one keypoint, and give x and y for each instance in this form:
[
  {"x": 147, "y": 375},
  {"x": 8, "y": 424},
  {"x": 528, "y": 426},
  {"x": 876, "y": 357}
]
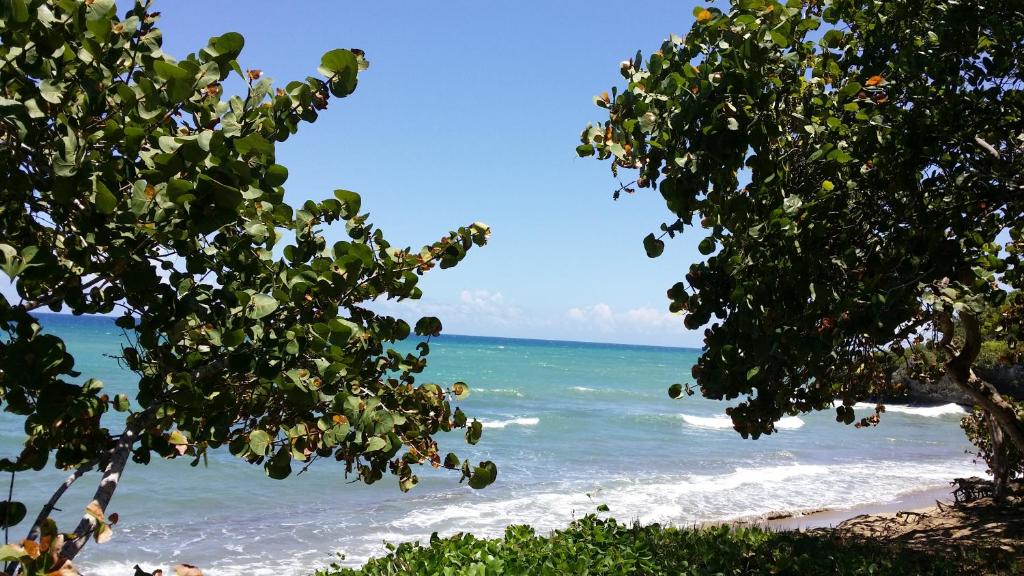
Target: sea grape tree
[
  {"x": 133, "y": 185},
  {"x": 855, "y": 168}
]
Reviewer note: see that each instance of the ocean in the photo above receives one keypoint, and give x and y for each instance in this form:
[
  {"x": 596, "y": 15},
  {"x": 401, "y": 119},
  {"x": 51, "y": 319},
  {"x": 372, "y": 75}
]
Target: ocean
[{"x": 570, "y": 425}]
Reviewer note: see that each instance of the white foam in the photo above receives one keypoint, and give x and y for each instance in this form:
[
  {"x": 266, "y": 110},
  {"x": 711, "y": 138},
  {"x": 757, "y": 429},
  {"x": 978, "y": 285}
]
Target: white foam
[
  {"x": 745, "y": 492},
  {"x": 789, "y": 423},
  {"x": 715, "y": 422},
  {"x": 501, "y": 391},
  {"x": 582, "y": 389},
  {"x": 926, "y": 411},
  {"x": 681, "y": 499},
  {"x": 724, "y": 422},
  {"x": 511, "y": 422}
]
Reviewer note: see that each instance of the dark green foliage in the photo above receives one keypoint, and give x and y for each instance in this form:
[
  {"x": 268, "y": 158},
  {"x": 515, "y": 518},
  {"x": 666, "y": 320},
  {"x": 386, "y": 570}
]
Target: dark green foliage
[
  {"x": 132, "y": 184},
  {"x": 605, "y": 547},
  {"x": 852, "y": 165}
]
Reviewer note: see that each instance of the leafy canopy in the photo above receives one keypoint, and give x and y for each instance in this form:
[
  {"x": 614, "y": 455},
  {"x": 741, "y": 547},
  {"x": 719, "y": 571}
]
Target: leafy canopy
[
  {"x": 852, "y": 165},
  {"x": 133, "y": 184}
]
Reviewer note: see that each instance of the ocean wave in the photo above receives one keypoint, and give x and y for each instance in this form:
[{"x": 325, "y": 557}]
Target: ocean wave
[
  {"x": 582, "y": 389},
  {"x": 720, "y": 422},
  {"x": 742, "y": 493},
  {"x": 926, "y": 411},
  {"x": 511, "y": 422},
  {"x": 929, "y": 411},
  {"x": 500, "y": 391}
]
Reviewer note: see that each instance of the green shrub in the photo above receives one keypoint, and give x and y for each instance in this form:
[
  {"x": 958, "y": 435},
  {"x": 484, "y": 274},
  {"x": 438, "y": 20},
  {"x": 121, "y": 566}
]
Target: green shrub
[{"x": 595, "y": 546}]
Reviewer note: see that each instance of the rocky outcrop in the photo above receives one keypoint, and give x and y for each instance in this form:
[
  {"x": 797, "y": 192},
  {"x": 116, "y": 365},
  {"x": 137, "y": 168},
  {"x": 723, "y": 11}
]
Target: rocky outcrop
[
  {"x": 942, "y": 391},
  {"x": 1008, "y": 379}
]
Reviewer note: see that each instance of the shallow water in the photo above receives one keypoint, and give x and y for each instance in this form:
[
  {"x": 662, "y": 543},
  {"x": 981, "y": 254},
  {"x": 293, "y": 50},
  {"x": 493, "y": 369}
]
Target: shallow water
[{"x": 570, "y": 425}]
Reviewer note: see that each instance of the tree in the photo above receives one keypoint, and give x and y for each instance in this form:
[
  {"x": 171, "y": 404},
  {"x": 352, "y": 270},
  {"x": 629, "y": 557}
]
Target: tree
[
  {"x": 854, "y": 165},
  {"x": 131, "y": 184}
]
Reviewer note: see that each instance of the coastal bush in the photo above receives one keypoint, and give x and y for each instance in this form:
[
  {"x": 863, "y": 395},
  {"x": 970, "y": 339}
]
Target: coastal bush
[
  {"x": 606, "y": 547},
  {"x": 135, "y": 186},
  {"x": 853, "y": 167}
]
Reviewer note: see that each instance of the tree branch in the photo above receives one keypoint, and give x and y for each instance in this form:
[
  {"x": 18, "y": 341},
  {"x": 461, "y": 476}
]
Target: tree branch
[
  {"x": 44, "y": 513},
  {"x": 108, "y": 483}
]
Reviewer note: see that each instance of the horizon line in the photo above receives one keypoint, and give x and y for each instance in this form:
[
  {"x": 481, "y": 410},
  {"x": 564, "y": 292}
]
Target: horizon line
[{"x": 443, "y": 334}]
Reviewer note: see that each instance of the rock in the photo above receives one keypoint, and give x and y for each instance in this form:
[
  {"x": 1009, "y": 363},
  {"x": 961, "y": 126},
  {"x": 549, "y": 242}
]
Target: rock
[
  {"x": 1007, "y": 378},
  {"x": 943, "y": 391}
]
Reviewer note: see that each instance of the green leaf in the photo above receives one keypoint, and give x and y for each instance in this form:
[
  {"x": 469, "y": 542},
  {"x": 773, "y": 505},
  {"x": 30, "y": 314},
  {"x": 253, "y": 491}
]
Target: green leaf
[
  {"x": 337, "y": 61},
  {"x": 375, "y": 444},
  {"x": 99, "y": 17},
  {"x": 262, "y": 306},
  {"x": 280, "y": 466},
  {"x": 352, "y": 203},
  {"x": 483, "y": 475},
  {"x": 461, "y": 390},
  {"x": 851, "y": 88},
  {"x": 602, "y": 508},
  {"x": 753, "y": 372},
  {"x": 104, "y": 198},
  {"x": 233, "y": 338},
  {"x": 11, "y": 553},
  {"x": 50, "y": 92},
  {"x": 474, "y": 431},
  {"x": 675, "y": 391},
  {"x": 276, "y": 175},
  {"x": 121, "y": 403},
  {"x": 451, "y": 461},
  {"x": 653, "y": 246},
  {"x": 11, "y": 513},
  {"x": 259, "y": 442},
  {"x": 226, "y": 46},
  {"x": 341, "y": 68},
  {"x": 19, "y": 10},
  {"x": 428, "y": 326}
]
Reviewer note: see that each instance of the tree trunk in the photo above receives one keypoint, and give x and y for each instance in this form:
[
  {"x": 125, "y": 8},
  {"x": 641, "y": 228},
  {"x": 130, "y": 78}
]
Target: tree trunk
[
  {"x": 998, "y": 463},
  {"x": 104, "y": 492},
  {"x": 981, "y": 392},
  {"x": 995, "y": 406}
]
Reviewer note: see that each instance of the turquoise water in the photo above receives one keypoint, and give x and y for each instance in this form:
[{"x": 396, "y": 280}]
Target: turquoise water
[{"x": 570, "y": 425}]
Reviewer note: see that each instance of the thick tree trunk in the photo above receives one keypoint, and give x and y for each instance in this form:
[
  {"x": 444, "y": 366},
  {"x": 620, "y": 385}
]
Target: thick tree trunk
[
  {"x": 981, "y": 392},
  {"x": 998, "y": 463},
  {"x": 986, "y": 396}
]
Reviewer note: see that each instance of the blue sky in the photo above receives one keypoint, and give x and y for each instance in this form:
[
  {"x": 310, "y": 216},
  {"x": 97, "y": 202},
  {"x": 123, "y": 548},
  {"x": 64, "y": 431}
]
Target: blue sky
[{"x": 471, "y": 111}]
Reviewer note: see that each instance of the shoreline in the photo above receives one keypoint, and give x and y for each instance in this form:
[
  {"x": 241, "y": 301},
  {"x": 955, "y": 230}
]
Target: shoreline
[{"x": 915, "y": 501}]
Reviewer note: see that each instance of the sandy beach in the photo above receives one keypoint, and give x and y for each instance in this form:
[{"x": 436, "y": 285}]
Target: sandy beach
[{"x": 912, "y": 502}]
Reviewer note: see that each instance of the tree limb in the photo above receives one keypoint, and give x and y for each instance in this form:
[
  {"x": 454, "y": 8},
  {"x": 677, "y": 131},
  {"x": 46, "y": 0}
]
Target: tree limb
[
  {"x": 33, "y": 533},
  {"x": 104, "y": 492},
  {"x": 108, "y": 483}
]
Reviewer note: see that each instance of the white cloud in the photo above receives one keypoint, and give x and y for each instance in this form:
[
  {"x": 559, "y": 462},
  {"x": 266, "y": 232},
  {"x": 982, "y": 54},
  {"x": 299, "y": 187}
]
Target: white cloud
[
  {"x": 633, "y": 321},
  {"x": 491, "y": 313},
  {"x": 476, "y": 311}
]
